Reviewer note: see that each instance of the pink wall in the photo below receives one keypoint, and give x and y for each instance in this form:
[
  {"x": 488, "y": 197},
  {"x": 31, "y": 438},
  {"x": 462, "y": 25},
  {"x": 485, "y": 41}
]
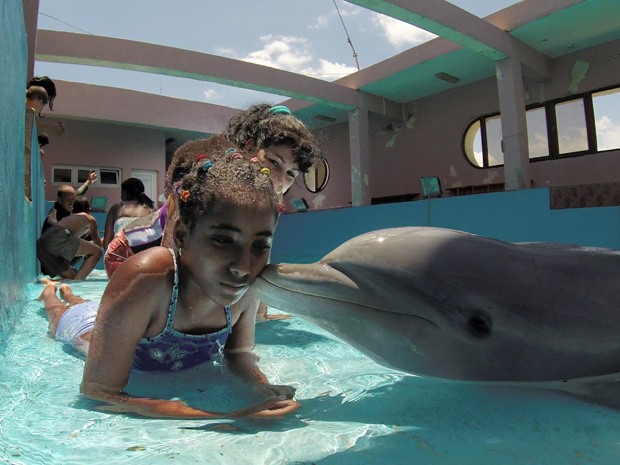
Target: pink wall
[
  {"x": 103, "y": 145},
  {"x": 337, "y": 193}
]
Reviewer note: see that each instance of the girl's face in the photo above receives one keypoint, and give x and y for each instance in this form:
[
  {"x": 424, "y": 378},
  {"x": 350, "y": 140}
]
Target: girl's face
[
  {"x": 228, "y": 248},
  {"x": 284, "y": 170}
]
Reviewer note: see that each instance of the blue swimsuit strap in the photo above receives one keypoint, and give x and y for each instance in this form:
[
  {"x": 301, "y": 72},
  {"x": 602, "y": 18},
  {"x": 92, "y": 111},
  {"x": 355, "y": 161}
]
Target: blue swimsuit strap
[{"x": 172, "y": 309}]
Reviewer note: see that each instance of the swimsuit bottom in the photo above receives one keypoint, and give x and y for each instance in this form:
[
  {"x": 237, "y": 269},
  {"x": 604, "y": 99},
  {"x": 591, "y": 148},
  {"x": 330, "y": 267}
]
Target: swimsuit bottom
[{"x": 76, "y": 321}]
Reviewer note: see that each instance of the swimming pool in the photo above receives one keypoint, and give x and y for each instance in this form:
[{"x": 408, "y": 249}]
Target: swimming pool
[{"x": 353, "y": 410}]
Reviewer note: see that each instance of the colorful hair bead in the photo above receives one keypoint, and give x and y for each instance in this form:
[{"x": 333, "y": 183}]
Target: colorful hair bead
[
  {"x": 265, "y": 170},
  {"x": 254, "y": 160},
  {"x": 206, "y": 165},
  {"x": 236, "y": 156},
  {"x": 202, "y": 156},
  {"x": 281, "y": 208},
  {"x": 279, "y": 110},
  {"x": 230, "y": 150},
  {"x": 185, "y": 195}
]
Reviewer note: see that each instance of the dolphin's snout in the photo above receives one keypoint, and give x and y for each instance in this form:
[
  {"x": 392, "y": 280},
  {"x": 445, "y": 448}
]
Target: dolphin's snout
[{"x": 307, "y": 278}]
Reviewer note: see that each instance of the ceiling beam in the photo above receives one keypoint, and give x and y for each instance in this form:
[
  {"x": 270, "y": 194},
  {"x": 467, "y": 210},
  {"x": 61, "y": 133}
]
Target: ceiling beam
[
  {"x": 101, "y": 103},
  {"x": 461, "y": 27},
  {"x": 83, "y": 49}
]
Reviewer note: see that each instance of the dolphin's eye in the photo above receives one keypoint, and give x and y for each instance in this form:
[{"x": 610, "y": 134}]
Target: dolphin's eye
[{"x": 479, "y": 326}]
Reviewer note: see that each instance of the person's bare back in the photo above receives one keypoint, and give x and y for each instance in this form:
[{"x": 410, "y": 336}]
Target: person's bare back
[{"x": 80, "y": 224}]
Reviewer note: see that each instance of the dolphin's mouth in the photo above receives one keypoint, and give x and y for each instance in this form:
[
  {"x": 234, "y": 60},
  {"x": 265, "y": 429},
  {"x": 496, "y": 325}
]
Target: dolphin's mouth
[{"x": 289, "y": 287}]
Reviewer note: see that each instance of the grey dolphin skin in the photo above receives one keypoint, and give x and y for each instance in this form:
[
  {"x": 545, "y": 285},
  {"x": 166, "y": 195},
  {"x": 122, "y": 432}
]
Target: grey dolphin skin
[{"x": 450, "y": 304}]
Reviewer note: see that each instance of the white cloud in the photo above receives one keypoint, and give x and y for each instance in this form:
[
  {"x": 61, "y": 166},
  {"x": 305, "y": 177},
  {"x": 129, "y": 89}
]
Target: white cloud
[
  {"x": 320, "y": 23},
  {"x": 210, "y": 95},
  {"x": 294, "y": 54},
  {"x": 282, "y": 52},
  {"x": 401, "y": 34},
  {"x": 607, "y": 133}
]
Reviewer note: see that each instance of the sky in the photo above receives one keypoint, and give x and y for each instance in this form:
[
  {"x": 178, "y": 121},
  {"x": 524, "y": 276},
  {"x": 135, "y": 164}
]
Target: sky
[{"x": 302, "y": 36}]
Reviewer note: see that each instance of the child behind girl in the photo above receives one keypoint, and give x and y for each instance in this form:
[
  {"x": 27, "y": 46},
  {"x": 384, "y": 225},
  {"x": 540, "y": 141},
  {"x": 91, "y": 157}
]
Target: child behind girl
[
  {"x": 167, "y": 310},
  {"x": 275, "y": 138}
]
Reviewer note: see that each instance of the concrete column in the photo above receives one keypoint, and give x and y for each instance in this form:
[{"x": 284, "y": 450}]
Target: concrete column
[
  {"x": 514, "y": 125},
  {"x": 360, "y": 157}
]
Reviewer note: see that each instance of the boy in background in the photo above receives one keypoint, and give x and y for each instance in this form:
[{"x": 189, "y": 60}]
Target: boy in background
[{"x": 62, "y": 242}]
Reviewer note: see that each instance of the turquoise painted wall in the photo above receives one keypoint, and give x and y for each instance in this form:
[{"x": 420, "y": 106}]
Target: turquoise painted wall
[
  {"x": 516, "y": 216},
  {"x": 20, "y": 218}
]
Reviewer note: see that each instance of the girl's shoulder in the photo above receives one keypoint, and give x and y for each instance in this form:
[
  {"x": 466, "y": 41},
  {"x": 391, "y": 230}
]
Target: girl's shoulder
[
  {"x": 151, "y": 267},
  {"x": 150, "y": 271}
]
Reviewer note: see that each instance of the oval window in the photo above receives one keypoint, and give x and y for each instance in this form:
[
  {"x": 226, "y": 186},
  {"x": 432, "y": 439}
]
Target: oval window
[{"x": 316, "y": 178}]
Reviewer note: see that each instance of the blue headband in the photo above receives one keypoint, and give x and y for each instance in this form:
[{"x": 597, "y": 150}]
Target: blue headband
[{"x": 279, "y": 109}]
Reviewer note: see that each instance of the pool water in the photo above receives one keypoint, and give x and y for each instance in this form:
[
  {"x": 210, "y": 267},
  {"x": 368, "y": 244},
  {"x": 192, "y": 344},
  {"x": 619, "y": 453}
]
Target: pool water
[{"x": 353, "y": 410}]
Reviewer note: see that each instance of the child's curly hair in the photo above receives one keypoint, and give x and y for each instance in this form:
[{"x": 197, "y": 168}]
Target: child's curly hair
[
  {"x": 225, "y": 177},
  {"x": 184, "y": 157},
  {"x": 266, "y": 127}
]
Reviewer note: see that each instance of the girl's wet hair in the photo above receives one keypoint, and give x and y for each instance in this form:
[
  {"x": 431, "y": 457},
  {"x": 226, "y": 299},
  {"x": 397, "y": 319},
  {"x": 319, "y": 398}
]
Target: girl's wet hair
[
  {"x": 268, "y": 125},
  {"x": 223, "y": 177},
  {"x": 184, "y": 158}
]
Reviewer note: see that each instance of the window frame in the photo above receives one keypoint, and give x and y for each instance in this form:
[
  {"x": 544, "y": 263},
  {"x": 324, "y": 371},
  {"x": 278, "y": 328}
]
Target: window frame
[
  {"x": 552, "y": 130},
  {"x": 74, "y": 175}
]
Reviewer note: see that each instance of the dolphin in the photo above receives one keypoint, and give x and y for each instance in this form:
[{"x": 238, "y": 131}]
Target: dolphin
[{"x": 449, "y": 304}]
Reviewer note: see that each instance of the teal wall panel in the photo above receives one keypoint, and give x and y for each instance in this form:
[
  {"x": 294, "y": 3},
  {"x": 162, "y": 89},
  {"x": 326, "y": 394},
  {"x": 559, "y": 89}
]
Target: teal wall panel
[
  {"x": 515, "y": 216},
  {"x": 18, "y": 233}
]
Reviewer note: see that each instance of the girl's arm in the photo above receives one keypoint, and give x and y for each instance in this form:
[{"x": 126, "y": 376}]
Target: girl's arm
[
  {"x": 133, "y": 300},
  {"x": 241, "y": 359}
]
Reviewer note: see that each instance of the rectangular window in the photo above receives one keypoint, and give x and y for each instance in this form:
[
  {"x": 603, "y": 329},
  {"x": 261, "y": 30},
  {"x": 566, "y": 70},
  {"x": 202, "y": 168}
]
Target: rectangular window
[
  {"x": 82, "y": 175},
  {"x": 109, "y": 177},
  {"x": 607, "y": 119},
  {"x": 571, "y": 123},
  {"x": 61, "y": 175},
  {"x": 537, "y": 132},
  {"x": 77, "y": 175}
]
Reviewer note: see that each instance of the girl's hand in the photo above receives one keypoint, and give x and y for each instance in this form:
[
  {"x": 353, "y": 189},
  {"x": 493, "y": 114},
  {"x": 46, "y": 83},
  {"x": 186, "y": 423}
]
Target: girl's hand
[
  {"x": 270, "y": 390},
  {"x": 272, "y": 410}
]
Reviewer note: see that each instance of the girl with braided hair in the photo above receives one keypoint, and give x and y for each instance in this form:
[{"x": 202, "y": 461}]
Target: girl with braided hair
[
  {"x": 169, "y": 310},
  {"x": 273, "y": 138}
]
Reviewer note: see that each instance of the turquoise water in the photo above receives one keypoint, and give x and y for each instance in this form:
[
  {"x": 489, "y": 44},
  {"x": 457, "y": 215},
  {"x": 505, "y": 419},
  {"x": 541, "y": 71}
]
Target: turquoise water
[{"x": 353, "y": 410}]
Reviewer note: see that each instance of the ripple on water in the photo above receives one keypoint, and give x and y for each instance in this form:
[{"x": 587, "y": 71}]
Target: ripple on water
[{"x": 353, "y": 411}]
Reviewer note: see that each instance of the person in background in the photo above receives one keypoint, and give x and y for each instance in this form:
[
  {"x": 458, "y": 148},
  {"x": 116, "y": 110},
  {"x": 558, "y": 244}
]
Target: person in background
[
  {"x": 65, "y": 197},
  {"x": 61, "y": 243},
  {"x": 44, "y": 140},
  {"x": 36, "y": 99},
  {"x": 169, "y": 310},
  {"x": 48, "y": 85},
  {"x": 133, "y": 205}
]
